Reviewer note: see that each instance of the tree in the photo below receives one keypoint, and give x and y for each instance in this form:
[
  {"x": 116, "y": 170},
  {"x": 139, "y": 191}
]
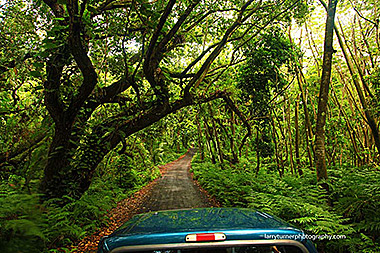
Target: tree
[
  {"x": 134, "y": 62},
  {"x": 271, "y": 58},
  {"x": 320, "y": 152},
  {"x": 24, "y": 124}
]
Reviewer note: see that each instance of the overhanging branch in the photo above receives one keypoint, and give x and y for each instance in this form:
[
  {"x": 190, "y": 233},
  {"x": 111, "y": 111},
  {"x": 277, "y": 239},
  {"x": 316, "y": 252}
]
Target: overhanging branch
[{"x": 200, "y": 75}]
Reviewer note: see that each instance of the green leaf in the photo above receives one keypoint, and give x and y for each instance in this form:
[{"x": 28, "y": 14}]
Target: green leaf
[
  {"x": 50, "y": 45},
  {"x": 35, "y": 73},
  {"x": 38, "y": 64}
]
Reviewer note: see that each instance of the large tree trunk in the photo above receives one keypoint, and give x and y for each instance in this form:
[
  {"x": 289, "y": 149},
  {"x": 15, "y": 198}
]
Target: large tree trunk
[
  {"x": 73, "y": 155},
  {"x": 73, "y": 177},
  {"x": 320, "y": 152},
  {"x": 51, "y": 184}
]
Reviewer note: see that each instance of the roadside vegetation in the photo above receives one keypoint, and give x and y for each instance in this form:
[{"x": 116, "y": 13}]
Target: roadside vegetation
[
  {"x": 299, "y": 200},
  {"x": 29, "y": 226}
]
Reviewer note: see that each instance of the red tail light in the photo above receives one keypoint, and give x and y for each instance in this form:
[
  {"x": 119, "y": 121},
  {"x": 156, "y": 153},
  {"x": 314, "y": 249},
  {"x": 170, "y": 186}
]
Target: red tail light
[{"x": 205, "y": 237}]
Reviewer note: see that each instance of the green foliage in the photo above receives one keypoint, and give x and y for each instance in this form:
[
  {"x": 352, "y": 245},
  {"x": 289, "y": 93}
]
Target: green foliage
[
  {"x": 27, "y": 226},
  {"x": 116, "y": 41},
  {"x": 270, "y": 58},
  {"x": 21, "y": 223},
  {"x": 76, "y": 219},
  {"x": 357, "y": 197},
  {"x": 266, "y": 146},
  {"x": 375, "y": 80},
  {"x": 131, "y": 175},
  {"x": 302, "y": 202}
]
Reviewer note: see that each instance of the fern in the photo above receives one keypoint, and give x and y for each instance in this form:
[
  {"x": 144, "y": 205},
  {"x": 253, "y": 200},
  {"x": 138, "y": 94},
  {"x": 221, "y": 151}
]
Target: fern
[
  {"x": 21, "y": 226},
  {"x": 299, "y": 200}
]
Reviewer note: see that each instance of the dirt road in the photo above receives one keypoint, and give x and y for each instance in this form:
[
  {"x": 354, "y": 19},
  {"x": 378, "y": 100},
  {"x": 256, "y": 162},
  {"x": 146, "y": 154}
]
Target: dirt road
[{"x": 176, "y": 189}]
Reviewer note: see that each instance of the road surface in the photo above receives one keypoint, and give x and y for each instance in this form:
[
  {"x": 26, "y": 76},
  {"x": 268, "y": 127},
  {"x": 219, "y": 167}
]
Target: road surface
[{"x": 176, "y": 189}]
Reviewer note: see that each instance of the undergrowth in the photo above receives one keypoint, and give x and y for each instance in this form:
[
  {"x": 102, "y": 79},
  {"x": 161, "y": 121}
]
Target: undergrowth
[
  {"x": 354, "y": 193},
  {"x": 26, "y": 225},
  {"x": 21, "y": 223}
]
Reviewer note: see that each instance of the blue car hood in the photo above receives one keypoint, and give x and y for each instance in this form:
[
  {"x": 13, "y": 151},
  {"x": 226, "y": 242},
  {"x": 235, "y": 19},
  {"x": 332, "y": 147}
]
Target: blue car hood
[
  {"x": 165, "y": 227},
  {"x": 191, "y": 220}
]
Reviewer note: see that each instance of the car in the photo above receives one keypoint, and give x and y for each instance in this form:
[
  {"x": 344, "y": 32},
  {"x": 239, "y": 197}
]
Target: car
[{"x": 229, "y": 230}]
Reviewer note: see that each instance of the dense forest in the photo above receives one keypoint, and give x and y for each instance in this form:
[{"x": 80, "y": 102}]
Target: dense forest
[{"x": 281, "y": 99}]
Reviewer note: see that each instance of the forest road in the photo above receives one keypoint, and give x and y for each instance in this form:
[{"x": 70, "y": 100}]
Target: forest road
[{"x": 176, "y": 189}]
